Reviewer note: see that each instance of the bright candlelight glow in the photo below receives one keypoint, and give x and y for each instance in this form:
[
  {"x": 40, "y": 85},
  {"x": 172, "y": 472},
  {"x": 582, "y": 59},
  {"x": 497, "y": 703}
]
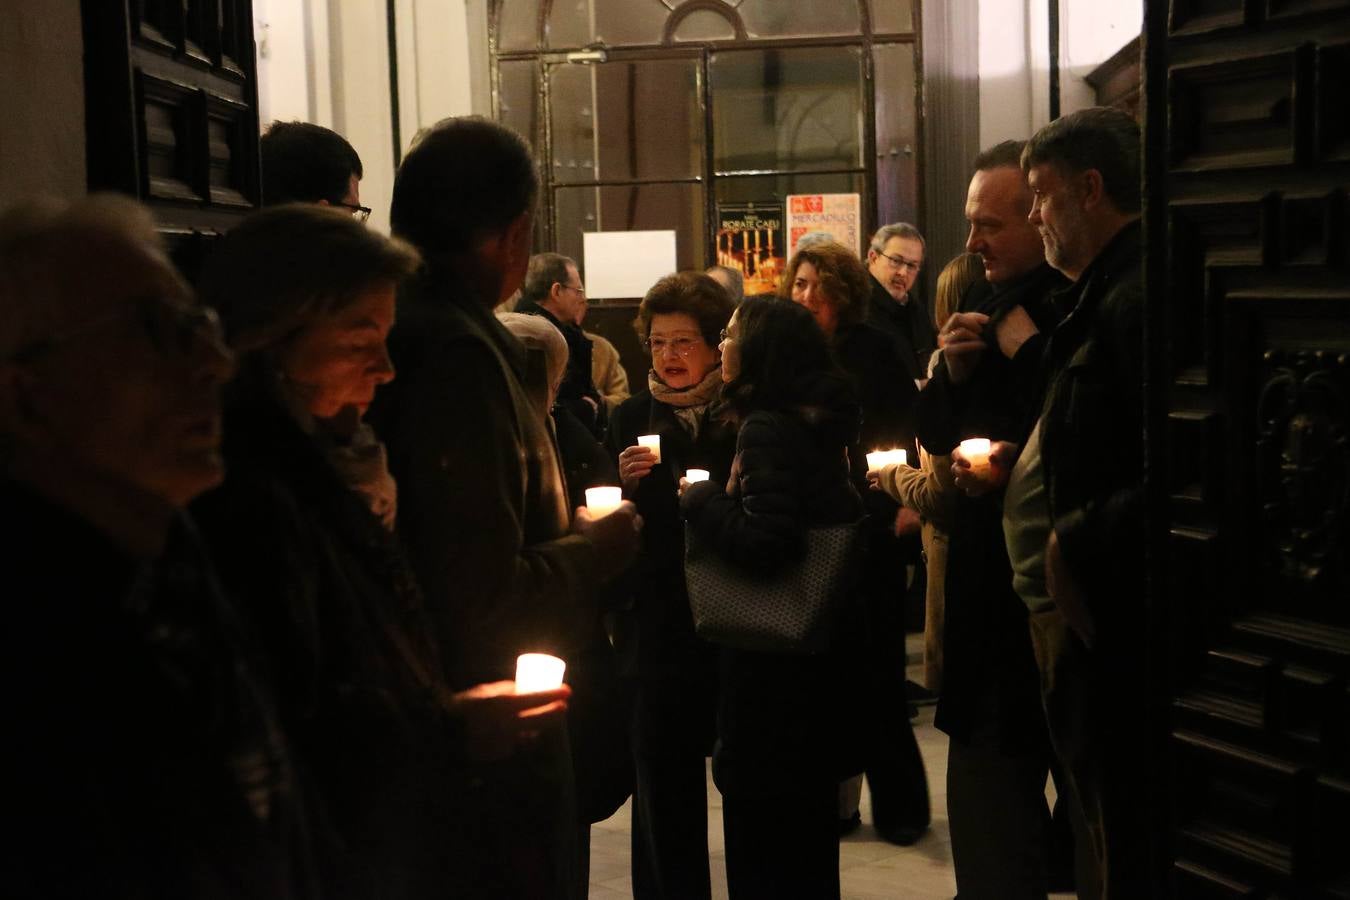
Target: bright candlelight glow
[
  {"x": 880, "y": 459},
  {"x": 976, "y": 452},
  {"x": 652, "y": 442},
  {"x": 538, "y": 672},
  {"x": 694, "y": 475},
  {"x": 602, "y": 501}
]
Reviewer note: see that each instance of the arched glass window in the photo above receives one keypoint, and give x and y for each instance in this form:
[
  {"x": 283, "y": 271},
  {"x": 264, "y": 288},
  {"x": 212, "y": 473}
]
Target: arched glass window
[{"x": 681, "y": 114}]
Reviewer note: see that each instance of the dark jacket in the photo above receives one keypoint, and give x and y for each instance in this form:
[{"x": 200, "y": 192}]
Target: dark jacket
[
  {"x": 577, "y": 385},
  {"x": 483, "y": 506},
  {"x": 782, "y": 719},
  {"x": 989, "y": 671},
  {"x": 338, "y": 611},
  {"x": 144, "y": 757},
  {"x": 1092, "y": 444},
  {"x": 909, "y": 325},
  {"x": 657, "y": 634}
]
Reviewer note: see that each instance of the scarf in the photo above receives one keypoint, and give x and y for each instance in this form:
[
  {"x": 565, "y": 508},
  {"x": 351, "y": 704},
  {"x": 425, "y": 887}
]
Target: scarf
[
  {"x": 352, "y": 449},
  {"x": 688, "y": 403}
]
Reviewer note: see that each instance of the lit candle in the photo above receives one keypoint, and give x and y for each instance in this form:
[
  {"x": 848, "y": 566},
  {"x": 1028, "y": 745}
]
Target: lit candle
[
  {"x": 602, "y": 501},
  {"x": 976, "y": 452},
  {"x": 694, "y": 475},
  {"x": 880, "y": 459},
  {"x": 652, "y": 442},
  {"x": 538, "y": 672}
]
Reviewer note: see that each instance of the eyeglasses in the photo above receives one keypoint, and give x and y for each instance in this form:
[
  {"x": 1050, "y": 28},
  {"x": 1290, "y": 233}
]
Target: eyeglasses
[
  {"x": 682, "y": 346},
  {"x": 172, "y": 327},
  {"x": 899, "y": 262},
  {"x": 359, "y": 213},
  {"x": 580, "y": 289}
]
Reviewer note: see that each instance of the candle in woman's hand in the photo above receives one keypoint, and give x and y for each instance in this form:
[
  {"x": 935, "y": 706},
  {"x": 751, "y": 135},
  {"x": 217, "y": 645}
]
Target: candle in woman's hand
[
  {"x": 652, "y": 442},
  {"x": 538, "y": 672},
  {"x": 693, "y": 475},
  {"x": 602, "y": 501},
  {"x": 976, "y": 452}
]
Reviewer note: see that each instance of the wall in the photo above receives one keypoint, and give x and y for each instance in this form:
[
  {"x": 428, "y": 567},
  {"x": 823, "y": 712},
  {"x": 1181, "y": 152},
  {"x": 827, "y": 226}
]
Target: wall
[
  {"x": 327, "y": 62},
  {"x": 1014, "y": 58},
  {"x": 41, "y": 101}
]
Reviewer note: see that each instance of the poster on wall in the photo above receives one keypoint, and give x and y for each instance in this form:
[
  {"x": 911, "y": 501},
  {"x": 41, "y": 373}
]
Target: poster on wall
[
  {"x": 750, "y": 240},
  {"x": 836, "y": 215}
]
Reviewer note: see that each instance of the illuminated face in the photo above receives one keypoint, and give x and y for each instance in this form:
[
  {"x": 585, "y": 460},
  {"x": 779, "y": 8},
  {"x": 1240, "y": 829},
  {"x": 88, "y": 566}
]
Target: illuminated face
[
  {"x": 807, "y": 291},
  {"x": 680, "y": 356},
  {"x": 897, "y": 266},
  {"x": 337, "y": 362},
  {"x": 996, "y": 207},
  {"x": 731, "y": 353},
  {"x": 569, "y": 300},
  {"x": 1057, "y": 212}
]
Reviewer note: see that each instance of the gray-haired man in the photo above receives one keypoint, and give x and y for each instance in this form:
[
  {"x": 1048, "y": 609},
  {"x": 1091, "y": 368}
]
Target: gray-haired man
[{"x": 894, "y": 260}]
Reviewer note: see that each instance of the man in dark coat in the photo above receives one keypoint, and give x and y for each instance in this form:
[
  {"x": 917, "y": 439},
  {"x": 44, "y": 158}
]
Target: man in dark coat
[
  {"x": 1086, "y": 622},
  {"x": 894, "y": 260},
  {"x": 553, "y": 289},
  {"x": 999, "y": 752},
  {"x": 144, "y": 757},
  {"x": 483, "y": 502}
]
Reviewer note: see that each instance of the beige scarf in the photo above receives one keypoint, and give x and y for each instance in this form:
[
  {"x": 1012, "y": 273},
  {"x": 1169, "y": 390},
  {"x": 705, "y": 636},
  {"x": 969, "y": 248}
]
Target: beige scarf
[{"x": 688, "y": 403}]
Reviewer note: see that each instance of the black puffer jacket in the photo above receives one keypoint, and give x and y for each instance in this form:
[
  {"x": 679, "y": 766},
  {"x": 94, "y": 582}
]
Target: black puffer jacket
[{"x": 781, "y": 718}]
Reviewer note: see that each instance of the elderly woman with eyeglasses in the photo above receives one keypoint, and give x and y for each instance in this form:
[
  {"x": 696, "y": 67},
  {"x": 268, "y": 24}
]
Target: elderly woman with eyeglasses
[
  {"x": 674, "y": 673},
  {"x": 302, "y": 529}
]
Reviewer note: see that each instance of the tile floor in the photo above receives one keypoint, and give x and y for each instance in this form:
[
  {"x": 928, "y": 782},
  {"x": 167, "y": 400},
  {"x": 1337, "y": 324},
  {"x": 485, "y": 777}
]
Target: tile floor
[{"x": 870, "y": 868}]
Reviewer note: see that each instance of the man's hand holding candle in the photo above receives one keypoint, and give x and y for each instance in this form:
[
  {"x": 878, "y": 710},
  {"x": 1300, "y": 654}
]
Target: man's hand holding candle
[{"x": 980, "y": 466}]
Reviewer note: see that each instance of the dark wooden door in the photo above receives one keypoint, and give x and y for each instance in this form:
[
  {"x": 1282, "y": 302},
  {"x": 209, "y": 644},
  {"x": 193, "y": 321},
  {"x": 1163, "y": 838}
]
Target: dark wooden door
[
  {"x": 1247, "y": 166},
  {"x": 171, "y": 107}
]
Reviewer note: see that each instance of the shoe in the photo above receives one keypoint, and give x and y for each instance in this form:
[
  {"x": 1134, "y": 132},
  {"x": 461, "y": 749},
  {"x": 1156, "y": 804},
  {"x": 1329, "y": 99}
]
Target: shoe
[
  {"x": 919, "y": 695},
  {"x": 850, "y": 825},
  {"x": 903, "y": 836}
]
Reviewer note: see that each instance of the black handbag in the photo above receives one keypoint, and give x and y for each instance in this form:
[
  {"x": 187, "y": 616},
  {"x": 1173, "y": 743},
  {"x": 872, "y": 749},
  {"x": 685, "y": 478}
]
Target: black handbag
[{"x": 789, "y": 610}]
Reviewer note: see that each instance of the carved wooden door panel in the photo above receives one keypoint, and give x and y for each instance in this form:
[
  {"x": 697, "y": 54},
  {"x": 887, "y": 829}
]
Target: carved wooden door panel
[
  {"x": 172, "y": 112},
  {"x": 1247, "y": 167}
]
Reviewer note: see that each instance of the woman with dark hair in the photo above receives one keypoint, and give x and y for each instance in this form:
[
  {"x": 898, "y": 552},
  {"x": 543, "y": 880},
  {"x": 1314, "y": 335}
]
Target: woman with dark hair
[
  {"x": 830, "y": 281},
  {"x": 302, "y": 529},
  {"x": 673, "y": 673},
  {"x": 778, "y": 759}
]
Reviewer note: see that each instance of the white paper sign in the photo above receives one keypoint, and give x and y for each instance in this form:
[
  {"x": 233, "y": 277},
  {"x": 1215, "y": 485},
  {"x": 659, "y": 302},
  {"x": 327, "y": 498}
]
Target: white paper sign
[{"x": 625, "y": 264}]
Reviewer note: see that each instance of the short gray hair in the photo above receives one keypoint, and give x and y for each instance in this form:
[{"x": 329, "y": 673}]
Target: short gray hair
[
  {"x": 41, "y": 245},
  {"x": 896, "y": 230},
  {"x": 737, "y": 288},
  {"x": 544, "y": 271}
]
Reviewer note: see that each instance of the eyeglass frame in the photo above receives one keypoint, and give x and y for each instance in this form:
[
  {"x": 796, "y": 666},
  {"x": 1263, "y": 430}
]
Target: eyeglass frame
[
  {"x": 899, "y": 262},
  {"x": 190, "y": 322},
  {"x": 360, "y": 213},
  {"x": 683, "y": 353}
]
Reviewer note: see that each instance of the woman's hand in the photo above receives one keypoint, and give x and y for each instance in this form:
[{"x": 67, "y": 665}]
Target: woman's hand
[
  {"x": 497, "y": 720},
  {"x": 635, "y": 463}
]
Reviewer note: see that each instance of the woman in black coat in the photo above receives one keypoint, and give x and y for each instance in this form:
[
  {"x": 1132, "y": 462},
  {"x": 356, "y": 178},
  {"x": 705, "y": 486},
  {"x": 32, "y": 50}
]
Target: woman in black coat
[
  {"x": 673, "y": 673},
  {"x": 302, "y": 530},
  {"x": 831, "y": 282},
  {"x": 780, "y": 717}
]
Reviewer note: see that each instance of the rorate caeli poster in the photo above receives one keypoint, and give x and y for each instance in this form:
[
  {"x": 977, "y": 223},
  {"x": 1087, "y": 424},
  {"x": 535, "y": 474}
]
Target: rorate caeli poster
[
  {"x": 750, "y": 239},
  {"x": 837, "y": 215}
]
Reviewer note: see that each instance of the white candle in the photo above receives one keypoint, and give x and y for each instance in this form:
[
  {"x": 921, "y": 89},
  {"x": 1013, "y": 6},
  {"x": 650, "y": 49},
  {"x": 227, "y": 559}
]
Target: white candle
[
  {"x": 976, "y": 452},
  {"x": 652, "y": 442},
  {"x": 880, "y": 459},
  {"x": 602, "y": 501},
  {"x": 538, "y": 672},
  {"x": 694, "y": 475}
]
